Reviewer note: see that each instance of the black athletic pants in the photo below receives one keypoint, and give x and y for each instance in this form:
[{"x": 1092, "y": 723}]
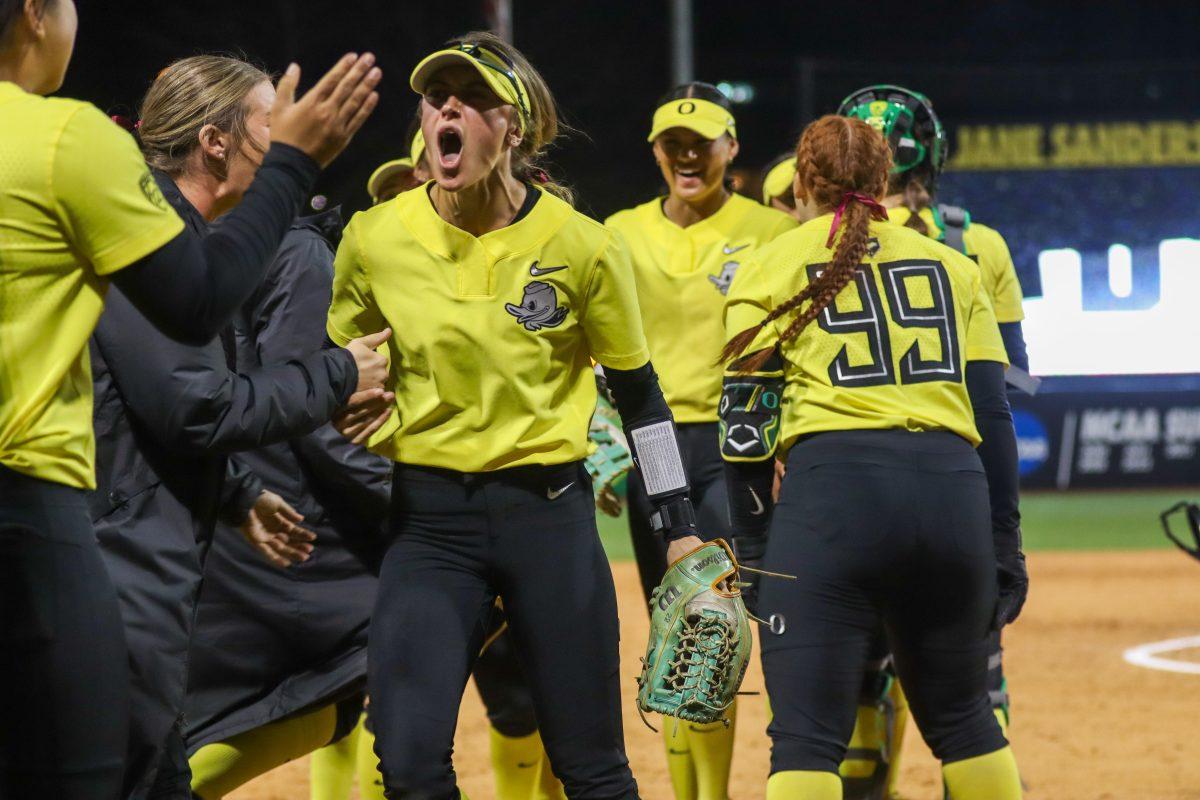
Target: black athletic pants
[
  {"x": 879, "y": 525},
  {"x": 700, "y": 448},
  {"x": 459, "y": 540},
  {"x": 64, "y": 678},
  {"x": 502, "y": 685}
]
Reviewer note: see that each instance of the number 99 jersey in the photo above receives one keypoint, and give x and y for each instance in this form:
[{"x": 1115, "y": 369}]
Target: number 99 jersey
[{"x": 890, "y": 351}]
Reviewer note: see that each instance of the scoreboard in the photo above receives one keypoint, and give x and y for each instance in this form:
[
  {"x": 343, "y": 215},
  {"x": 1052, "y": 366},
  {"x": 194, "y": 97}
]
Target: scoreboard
[{"x": 1104, "y": 225}]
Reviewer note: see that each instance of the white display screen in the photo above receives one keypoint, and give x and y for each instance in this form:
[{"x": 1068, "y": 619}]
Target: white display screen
[{"x": 1127, "y": 311}]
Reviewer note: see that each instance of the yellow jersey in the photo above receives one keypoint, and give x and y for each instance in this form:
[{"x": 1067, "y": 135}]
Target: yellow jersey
[
  {"x": 493, "y": 336},
  {"x": 890, "y": 351},
  {"x": 683, "y": 276},
  {"x": 987, "y": 247},
  {"x": 77, "y": 203}
]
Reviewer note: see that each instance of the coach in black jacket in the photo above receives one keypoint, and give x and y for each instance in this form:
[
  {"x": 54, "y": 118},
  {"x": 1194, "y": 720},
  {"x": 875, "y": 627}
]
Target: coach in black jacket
[
  {"x": 298, "y": 636},
  {"x": 165, "y": 416}
]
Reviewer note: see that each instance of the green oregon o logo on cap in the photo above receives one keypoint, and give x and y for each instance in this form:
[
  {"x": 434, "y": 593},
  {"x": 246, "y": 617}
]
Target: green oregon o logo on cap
[{"x": 686, "y": 107}]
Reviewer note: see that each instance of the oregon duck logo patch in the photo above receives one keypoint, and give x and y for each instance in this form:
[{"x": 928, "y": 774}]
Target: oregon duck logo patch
[{"x": 539, "y": 307}]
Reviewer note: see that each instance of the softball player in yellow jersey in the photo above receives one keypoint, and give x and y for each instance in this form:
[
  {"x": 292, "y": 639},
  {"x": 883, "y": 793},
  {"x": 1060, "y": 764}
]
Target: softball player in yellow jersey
[
  {"x": 919, "y": 146},
  {"x": 686, "y": 248},
  {"x": 501, "y": 294},
  {"x": 868, "y": 356},
  {"x": 79, "y": 208}
]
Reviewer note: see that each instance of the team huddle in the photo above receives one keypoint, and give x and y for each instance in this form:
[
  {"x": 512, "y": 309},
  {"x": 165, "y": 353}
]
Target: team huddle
[{"x": 272, "y": 485}]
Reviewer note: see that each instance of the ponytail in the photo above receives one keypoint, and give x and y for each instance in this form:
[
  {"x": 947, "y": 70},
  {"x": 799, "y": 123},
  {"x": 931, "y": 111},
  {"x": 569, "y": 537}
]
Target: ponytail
[
  {"x": 839, "y": 161},
  {"x": 916, "y": 200}
]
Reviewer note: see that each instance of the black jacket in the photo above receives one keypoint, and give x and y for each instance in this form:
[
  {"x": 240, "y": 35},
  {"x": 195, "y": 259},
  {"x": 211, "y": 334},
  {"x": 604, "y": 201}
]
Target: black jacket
[
  {"x": 166, "y": 415},
  {"x": 324, "y": 476},
  {"x": 304, "y": 629}
]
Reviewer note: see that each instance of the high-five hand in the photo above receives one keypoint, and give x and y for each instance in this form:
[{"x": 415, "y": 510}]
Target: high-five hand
[{"x": 322, "y": 122}]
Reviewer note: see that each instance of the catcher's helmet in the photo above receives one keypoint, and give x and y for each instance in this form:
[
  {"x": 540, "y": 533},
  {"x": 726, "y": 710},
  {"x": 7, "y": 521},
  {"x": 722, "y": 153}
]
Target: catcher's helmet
[{"x": 908, "y": 122}]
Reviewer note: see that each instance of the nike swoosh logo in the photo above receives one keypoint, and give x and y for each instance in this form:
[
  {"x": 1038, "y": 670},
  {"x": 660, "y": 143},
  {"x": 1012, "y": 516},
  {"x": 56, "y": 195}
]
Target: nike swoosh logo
[
  {"x": 538, "y": 272},
  {"x": 523, "y": 765},
  {"x": 757, "y": 502},
  {"x": 554, "y": 494},
  {"x": 727, "y": 250}
]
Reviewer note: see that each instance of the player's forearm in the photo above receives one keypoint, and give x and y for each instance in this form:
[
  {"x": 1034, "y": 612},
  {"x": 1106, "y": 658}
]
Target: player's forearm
[
  {"x": 998, "y": 451},
  {"x": 189, "y": 288},
  {"x": 750, "y": 422},
  {"x": 650, "y": 429},
  {"x": 1014, "y": 344},
  {"x": 750, "y": 506}
]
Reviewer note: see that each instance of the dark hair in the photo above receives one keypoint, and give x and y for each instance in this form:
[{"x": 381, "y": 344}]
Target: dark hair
[
  {"x": 10, "y": 10},
  {"x": 919, "y": 184},
  {"x": 836, "y": 156},
  {"x": 697, "y": 90}
]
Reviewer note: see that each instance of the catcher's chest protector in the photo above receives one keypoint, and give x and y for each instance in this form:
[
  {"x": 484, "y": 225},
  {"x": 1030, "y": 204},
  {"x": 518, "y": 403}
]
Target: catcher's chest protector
[{"x": 700, "y": 639}]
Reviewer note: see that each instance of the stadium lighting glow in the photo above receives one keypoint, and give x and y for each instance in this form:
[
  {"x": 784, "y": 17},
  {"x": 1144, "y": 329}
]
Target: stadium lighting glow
[
  {"x": 1065, "y": 337},
  {"x": 737, "y": 91}
]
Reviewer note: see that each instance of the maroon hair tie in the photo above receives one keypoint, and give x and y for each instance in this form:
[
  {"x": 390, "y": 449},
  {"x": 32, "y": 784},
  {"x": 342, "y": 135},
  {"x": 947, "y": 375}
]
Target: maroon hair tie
[
  {"x": 127, "y": 123},
  {"x": 878, "y": 212},
  {"x": 540, "y": 176}
]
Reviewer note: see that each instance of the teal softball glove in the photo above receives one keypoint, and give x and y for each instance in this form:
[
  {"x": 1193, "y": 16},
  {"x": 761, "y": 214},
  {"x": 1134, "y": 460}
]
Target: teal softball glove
[
  {"x": 611, "y": 462},
  {"x": 700, "y": 638}
]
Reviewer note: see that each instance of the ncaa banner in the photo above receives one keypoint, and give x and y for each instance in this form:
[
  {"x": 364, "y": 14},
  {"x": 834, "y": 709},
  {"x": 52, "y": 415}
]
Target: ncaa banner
[{"x": 1076, "y": 440}]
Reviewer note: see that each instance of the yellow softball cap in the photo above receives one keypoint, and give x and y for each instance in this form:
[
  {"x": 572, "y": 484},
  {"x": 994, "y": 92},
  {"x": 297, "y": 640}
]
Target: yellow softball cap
[
  {"x": 494, "y": 68},
  {"x": 702, "y": 116},
  {"x": 779, "y": 180}
]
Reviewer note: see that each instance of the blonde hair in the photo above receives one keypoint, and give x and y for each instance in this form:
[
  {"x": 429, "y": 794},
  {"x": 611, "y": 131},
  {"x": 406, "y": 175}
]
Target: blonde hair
[
  {"x": 541, "y": 128},
  {"x": 186, "y": 96}
]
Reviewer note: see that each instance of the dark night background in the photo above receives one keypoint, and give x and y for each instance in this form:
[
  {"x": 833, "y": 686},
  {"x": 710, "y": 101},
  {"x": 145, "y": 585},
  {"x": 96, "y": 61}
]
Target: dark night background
[{"x": 608, "y": 62}]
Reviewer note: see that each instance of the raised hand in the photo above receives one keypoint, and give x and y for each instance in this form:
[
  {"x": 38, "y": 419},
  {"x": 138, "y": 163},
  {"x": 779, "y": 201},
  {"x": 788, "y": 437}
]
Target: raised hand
[{"x": 322, "y": 122}]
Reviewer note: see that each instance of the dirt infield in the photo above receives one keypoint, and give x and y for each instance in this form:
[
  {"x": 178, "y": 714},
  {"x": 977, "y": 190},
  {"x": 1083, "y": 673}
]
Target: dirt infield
[{"x": 1086, "y": 725}]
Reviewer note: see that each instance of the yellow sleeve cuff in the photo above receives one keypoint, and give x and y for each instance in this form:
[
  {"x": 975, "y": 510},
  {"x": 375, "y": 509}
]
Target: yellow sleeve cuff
[
  {"x": 631, "y": 361},
  {"x": 136, "y": 248}
]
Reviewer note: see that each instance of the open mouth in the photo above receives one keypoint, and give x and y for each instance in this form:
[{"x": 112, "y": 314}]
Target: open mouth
[
  {"x": 450, "y": 145},
  {"x": 688, "y": 173}
]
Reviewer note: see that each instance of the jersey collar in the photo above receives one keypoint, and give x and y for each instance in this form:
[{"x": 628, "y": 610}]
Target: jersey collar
[
  {"x": 443, "y": 239},
  {"x": 726, "y": 218}
]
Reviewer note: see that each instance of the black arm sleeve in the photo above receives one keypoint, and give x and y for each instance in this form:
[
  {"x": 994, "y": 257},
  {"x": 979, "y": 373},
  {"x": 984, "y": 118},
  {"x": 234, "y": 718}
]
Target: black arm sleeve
[
  {"x": 750, "y": 412},
  {"x": 640, "y": 402},
  {"x": 1014, "y": 344},
  {"x": 998, "y": 451},
  {"x": 190, "y": 287}
]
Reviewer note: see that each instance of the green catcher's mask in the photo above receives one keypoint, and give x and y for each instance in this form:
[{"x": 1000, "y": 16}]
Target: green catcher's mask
[{"x": 906, "y": 119}]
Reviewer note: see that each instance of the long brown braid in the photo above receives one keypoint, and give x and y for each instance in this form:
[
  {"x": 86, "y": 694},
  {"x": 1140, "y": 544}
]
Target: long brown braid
[
  {"x": 841, "y": 163},
  {"x": 916, "y": 199}
]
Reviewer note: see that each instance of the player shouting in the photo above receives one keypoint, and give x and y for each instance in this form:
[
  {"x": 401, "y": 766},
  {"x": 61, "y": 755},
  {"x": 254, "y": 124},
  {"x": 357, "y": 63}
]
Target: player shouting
[{"x": 503, "y": 294}]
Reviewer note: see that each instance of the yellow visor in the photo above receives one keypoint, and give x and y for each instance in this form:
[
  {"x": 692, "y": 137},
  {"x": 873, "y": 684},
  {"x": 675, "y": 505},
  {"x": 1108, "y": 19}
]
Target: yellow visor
[
  {"x": 384, "y": 173},
  {"x": 418, "y": 148},
  {"x": 702, "y": 116},
  {"x": 779, "y": 180},
  {"x": 499, "y": 75}
]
